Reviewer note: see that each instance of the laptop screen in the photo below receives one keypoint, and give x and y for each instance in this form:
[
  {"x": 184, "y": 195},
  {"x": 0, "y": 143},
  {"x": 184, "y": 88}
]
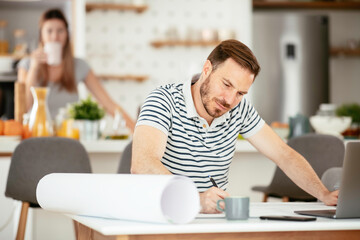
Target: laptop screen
[{"x": 349, "y": 195}]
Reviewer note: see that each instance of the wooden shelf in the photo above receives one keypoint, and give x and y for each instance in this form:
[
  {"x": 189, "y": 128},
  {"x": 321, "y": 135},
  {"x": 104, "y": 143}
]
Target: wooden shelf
[
  {"x": 137, "y": 78},
  {"x": 114, "y": 6},
  {"x": 159, "y": 44},
  {"x": 306, "y": 5},
  {"x": 337, "y": 51}
]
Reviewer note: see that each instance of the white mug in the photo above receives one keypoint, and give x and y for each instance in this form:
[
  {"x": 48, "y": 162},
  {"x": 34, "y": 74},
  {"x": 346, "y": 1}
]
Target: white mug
[{"x": 54, "y": 52}]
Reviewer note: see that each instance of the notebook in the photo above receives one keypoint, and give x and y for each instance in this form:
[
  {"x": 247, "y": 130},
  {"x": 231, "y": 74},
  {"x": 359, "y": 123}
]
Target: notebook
[{"x": 349, "y": 193}]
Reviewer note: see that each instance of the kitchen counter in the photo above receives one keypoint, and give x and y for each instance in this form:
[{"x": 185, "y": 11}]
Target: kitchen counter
[{"x": 111, "y": 146}]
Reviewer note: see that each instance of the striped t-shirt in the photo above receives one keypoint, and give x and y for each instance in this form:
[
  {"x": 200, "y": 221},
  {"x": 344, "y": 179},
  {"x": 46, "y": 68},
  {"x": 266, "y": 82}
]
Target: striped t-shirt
[{"x": 194, "y": 148}]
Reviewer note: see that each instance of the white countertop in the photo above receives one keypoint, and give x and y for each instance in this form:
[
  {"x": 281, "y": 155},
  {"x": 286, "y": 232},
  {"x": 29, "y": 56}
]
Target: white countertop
[
  {"x": 213, "y": 225},
  {"x": 113, "y": 146}
]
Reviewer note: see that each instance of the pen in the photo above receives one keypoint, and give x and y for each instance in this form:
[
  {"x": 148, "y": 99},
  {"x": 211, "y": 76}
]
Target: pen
[{"x": 213, "y": 181}]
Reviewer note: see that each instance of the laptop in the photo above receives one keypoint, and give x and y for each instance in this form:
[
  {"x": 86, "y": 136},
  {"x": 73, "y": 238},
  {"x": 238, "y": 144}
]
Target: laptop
[{"x": 349, "y": 193}]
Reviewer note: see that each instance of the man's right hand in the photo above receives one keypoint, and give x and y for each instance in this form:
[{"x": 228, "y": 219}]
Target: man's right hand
[{"x": 209, "y": 198}]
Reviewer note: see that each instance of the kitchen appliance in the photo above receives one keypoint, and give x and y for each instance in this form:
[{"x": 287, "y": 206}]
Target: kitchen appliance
[
  {"x": 7, "y": 98},
  {"x": 8, "y": 77},
  {"x": 292, "y": 50}
]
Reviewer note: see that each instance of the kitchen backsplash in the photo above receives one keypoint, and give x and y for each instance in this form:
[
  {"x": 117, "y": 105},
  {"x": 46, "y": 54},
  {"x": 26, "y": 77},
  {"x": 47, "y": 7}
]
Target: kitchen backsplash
[{"x": 119, "y": 42}]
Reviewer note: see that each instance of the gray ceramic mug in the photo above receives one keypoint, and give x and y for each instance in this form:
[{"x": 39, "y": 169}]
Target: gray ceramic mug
[{"x": 236, "y": 208}]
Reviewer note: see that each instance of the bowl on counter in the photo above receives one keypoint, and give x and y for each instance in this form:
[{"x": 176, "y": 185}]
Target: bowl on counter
[
  {"x": 6, "y": 64},
  {"x": 330, "y": 124}
]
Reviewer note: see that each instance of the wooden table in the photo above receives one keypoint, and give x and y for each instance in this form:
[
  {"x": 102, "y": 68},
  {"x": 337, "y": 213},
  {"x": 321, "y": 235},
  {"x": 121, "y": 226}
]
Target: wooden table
[{"x": 220, "y": 228}]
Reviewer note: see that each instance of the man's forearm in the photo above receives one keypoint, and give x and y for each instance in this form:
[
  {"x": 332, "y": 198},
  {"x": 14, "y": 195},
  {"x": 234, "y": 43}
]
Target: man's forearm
[
  {"x": 139, "y": 167},
  {"x": 146, "y": 162},
  {"x": 147, "y": 150},
  {"x": 301, "y": 172}
]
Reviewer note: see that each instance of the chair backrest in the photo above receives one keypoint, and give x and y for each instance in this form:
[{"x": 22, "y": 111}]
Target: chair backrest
[
  {"x": 332, "y": 178},
  {"x": 125, "y": 160},
  {"x": 321, "y": 151},
  {"x": 36, "y": 157}
]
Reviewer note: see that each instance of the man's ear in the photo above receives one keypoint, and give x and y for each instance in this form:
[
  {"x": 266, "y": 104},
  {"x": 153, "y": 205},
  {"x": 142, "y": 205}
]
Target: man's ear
[{"x": 207, "y": 68}]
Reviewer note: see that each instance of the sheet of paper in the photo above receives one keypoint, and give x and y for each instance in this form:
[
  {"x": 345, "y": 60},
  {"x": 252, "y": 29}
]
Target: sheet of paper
[
  {"x": 215, "y": 215},
  {"x": 149, "y": 198}
]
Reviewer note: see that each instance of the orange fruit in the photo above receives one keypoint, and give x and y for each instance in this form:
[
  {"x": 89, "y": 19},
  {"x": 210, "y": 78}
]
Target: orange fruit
[
  {"x": 12, "y": 128},
  {"x": 1, "y": 127},
  {"x": 26, "y": 132}
]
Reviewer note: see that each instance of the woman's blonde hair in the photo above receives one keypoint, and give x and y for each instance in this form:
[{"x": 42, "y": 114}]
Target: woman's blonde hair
[{"x": 67, "y": 79}]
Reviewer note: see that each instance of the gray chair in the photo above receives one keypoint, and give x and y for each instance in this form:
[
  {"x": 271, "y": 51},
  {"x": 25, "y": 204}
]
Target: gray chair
[
  {"x": 125, "y": 160},
  {"x": 321, "y": 151},
  {"x": 332, "y": 178},
  {"x": 33, "y": 159}
]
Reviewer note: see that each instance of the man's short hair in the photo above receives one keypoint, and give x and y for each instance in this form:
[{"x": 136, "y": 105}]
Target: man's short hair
[{"x": 236, "y": 50}]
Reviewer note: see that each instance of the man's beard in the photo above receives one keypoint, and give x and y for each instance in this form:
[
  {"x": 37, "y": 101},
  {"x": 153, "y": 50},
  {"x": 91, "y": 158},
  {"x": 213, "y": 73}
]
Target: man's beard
[{"x": 206, "y": 101}]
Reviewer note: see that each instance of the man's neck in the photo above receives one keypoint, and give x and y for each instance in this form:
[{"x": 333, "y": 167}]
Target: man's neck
[{"x": 199, "y": 107}]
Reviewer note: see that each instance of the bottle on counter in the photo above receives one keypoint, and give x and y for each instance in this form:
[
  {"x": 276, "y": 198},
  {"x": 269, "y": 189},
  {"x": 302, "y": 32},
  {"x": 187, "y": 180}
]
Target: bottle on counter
[
  {"x": 114, "y": 128},
  {"x": 120, "y": 131},
  {"x": 21, "y": 46},
  {"x": 40, "y": 123},
  {"x": 26, "y": 131},
  {"x": 4, "y": 44},
  {"x": 65, "y": 126}
]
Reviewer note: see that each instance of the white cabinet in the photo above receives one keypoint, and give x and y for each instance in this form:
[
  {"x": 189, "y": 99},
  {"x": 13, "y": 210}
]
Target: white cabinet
[{"x": 7, "y": 205}]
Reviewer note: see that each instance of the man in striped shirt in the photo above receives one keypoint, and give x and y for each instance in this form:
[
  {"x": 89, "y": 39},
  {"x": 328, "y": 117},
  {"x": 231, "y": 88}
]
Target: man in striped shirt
[{"x": 191, "y": 129}]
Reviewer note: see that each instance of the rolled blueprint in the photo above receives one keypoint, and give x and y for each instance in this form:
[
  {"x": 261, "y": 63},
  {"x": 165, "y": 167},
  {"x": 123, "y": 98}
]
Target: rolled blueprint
[{"x": 149, "y": 198}]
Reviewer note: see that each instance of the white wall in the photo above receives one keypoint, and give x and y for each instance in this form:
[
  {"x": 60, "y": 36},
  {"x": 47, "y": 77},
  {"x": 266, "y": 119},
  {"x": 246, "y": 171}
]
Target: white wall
[
  {"x": 118, "y": 42},
  {"x": 7, "y": 205}
]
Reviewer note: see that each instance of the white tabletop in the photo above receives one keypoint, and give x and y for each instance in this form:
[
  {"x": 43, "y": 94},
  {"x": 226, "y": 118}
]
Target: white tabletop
[{"x": 213, "y": 225}]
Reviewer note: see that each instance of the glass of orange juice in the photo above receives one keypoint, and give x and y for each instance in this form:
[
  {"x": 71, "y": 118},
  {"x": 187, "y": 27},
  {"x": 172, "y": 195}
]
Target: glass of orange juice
[{"x": 68, "y": 129}]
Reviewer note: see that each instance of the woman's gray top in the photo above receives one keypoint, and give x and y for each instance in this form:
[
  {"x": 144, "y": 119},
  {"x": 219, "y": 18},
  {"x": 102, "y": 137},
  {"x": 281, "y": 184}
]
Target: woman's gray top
[{"x": 58, "y": 98}]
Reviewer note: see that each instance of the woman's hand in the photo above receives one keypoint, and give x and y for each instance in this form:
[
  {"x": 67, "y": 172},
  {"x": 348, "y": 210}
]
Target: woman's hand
[{"x": 38, "y": 57}]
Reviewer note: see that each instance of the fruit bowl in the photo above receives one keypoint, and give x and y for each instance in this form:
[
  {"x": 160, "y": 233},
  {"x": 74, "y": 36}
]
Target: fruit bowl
[{"x": 330, "y": 124}]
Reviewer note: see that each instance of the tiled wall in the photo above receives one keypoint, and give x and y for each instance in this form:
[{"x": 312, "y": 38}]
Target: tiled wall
[{"x": 118, "y": 42}]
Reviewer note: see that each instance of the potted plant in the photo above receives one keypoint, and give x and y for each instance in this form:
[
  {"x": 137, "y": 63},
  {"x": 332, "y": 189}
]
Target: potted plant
[
  {"x": 351, "y": 110},
  {"x": 87, "y": 114}
]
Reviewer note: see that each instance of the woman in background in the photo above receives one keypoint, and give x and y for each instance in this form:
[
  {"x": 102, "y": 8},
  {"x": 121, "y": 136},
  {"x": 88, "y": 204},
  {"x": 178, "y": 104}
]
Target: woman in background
[{"x": 62, "y": 79}]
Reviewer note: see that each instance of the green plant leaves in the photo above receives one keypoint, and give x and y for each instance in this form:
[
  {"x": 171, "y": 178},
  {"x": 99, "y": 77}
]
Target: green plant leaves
[
  {"x": 86, "y": 109},
  {"x": 352, "y": 110}
]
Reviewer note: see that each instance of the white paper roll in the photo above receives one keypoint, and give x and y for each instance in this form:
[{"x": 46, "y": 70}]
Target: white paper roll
[{"x": 150, "y": 198}]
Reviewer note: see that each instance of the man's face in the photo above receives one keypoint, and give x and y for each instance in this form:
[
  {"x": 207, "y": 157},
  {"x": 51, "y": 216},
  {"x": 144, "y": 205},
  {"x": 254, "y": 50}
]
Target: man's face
[{"x": 224, "y": 88}]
